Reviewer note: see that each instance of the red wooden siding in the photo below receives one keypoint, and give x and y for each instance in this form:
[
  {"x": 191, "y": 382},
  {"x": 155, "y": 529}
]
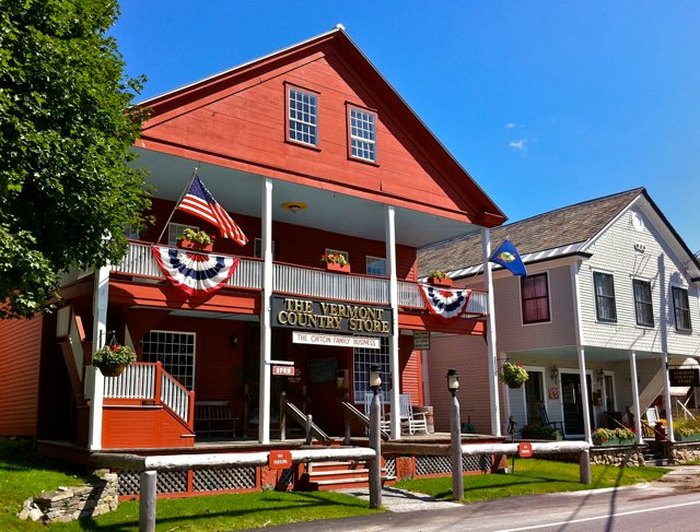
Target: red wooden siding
[
  {"x": 19, "y": 379},
  {"x": 138, "y": 428},
  {"x": 411, "y": 371},
  {"x": 238, "y": 120}
]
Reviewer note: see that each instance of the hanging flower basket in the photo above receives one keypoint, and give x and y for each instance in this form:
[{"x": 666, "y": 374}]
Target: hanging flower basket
[
  {"x": 513, "y": 374},
  {"x": 113, "y": 359}
]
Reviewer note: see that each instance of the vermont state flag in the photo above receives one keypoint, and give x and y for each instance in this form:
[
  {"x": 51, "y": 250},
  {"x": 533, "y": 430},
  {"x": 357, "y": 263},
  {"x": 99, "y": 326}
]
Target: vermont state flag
[{"x": 507, "y": 256}]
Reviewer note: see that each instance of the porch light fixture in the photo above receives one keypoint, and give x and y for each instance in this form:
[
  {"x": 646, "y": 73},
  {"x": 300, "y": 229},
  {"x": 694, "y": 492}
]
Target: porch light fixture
[
  {"x": 452, "y": 381},
  {"x": 375, "y": 378},
  {"x": 294, "y": 206},
  {"x": 554, "y": 373}
]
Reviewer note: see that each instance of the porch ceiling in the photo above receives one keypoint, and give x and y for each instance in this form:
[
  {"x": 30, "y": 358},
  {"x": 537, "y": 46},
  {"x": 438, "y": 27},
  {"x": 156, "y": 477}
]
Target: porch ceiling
[
  {"x": 593, "y": 354},
  {"x": 240, "y": 192}
]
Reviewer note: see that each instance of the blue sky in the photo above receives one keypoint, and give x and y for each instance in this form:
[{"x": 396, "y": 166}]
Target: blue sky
[{"x": 545, "y": 103}]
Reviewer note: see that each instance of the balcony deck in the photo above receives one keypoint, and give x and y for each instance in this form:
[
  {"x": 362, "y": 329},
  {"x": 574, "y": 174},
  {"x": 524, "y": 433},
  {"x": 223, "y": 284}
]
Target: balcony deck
[{"x": 301, "y": 281}]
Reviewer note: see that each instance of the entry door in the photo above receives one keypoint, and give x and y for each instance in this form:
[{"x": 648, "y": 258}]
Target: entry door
[{"x": 573, "y": 403}]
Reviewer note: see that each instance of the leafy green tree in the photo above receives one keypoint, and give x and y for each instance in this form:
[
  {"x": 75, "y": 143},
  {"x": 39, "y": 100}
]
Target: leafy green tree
[{"x": 66, "y": 190}]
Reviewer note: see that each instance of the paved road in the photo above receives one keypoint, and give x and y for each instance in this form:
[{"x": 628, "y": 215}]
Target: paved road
[{"x": 670, "y": 504}]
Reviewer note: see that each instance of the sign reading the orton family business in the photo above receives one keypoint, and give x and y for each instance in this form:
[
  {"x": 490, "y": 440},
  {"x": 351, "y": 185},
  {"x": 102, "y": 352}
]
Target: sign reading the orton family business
[
  {"x": 329, "y": 316},
  {"x": 684, "y": 377},
  {"x": 336, "y": 340}
]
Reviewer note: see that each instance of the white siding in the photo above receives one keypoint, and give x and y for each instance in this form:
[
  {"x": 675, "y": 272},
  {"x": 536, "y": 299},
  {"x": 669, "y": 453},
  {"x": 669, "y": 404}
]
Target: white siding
[{"x": 615, "y": 253}]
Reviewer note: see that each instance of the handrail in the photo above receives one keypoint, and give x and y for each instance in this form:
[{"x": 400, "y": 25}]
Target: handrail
[
  {"x": 304, "y": 420},
  {"x": 686, "y": 412},
  {"x": 363, "y": 418},
  {"x": 176, "y": 397}
]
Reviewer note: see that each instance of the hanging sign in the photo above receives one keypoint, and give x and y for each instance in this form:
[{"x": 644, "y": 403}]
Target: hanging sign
[
  {"x": 330, "y": 316},
  {"x": 336, "y": 340},
  {"x": 285, "y": 371},
  {"x": 684, "y": 377},
  {"x": 421, "y": 340}
]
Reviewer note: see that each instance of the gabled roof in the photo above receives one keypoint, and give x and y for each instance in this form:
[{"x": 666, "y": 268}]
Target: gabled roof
[
  {"x": 474, "y": 202},
  {"x": 559, "y": 232}
]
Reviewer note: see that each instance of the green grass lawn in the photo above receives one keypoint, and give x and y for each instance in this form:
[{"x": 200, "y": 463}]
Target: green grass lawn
[
  {"x": 534, "y": 476},
  {"x": 23, "y": 474}
]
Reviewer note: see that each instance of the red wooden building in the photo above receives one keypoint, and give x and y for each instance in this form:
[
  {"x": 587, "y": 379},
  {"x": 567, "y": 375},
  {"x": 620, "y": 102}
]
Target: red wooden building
[{"x": 311, "y": 151}]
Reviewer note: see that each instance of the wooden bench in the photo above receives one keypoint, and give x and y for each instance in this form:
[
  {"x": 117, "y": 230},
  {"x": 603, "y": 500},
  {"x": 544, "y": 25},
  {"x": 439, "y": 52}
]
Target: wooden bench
[{"x": 214, "y": 419}]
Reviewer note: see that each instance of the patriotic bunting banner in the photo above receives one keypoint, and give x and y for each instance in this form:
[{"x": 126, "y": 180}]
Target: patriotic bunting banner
[
  {"x": 445, "y": 303},
  {"x": 192, "y": 272}
]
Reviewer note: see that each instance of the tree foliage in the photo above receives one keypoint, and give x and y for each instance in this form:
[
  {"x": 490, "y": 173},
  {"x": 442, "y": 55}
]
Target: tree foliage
[{"x": 66, "y": 190}]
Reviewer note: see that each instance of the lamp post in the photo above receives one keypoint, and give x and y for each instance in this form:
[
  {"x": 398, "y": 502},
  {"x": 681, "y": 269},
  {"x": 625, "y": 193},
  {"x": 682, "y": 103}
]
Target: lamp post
[
  {"x": 456, "y": 437},
  {"x": 375, "y": 441}
]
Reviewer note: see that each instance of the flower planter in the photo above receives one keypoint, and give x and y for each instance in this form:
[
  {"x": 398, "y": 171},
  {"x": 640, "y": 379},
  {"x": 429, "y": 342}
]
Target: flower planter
[
  {"x": 112, "y": 371},
  {"x": 615, "y": 442},
  {"x": 444, "y": 283},
  {"x": 191, "y": 244},
  {"x": 514, "y": 385},
  {"x": 688, "y": 437},
  {"x": 335, "y": 267}
]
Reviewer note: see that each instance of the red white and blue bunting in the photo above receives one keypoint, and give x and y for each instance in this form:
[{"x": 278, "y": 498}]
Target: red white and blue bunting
[
  {"x": 446, "y": 303},
  {"x": 193, "y": 272}
]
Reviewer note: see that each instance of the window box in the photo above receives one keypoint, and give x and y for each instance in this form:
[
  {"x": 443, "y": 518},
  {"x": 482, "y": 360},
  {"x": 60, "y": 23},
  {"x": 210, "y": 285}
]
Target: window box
[
  {"x": 615, "y": 442},
  {"x": 335, "y": 267},
  {"x": 444, "y": 282},
  {"x": 191, "y": 244}
]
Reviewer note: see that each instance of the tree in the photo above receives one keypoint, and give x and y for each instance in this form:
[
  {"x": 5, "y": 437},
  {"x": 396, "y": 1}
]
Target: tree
[{"x": 67, "y": 192}]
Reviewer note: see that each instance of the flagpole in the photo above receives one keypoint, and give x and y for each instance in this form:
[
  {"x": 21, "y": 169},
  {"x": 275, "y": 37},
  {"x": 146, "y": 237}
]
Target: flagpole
[{"x": 187, "y": 187}]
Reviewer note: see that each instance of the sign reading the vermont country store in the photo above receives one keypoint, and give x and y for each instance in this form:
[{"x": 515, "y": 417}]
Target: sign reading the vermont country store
[
  {"x": 684, "y": 377},
  {"x": 300, "y": 313}
]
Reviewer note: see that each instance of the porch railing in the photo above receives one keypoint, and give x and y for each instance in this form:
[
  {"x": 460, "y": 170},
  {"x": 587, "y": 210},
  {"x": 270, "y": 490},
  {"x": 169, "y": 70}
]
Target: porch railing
[
  {"x": 300, "y": 280},
  {"x": 149, "y": 381}
]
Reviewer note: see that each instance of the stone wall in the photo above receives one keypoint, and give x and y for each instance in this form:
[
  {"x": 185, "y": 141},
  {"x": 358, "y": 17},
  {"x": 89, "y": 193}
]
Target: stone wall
[
  {"x": 628, "y": 455},
  {"x": 683, "y": 453},
  {"x": 74, "y": 502}
]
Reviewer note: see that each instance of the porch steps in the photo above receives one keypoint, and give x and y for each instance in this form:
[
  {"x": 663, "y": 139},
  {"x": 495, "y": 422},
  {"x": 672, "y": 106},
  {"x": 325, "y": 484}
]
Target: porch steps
[
  {"x": 655, "y": 454},
  {"x": 330, "y": 476}
]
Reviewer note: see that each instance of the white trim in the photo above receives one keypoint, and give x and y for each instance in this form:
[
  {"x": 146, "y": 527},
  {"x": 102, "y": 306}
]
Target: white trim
[
  {"x": 96, "y": 383},
  {"x": 584, "y": 399},
  {"x": 543, "y": 371},
  {"x": 372, "y": 257},
  {"x": 265, "y": 309},
  {"x": 491, "y": 333},
  {"x": 194, "y": 350},
  {"x": 624, "y": 210},
  {"x": 390, "y": 243},
  {"x": 595, "y": 295}
]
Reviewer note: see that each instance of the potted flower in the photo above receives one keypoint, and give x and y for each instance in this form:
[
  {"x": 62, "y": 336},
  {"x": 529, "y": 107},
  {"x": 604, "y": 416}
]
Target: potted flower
[
  {"x": 113, "y": 358},
  {"x": 193, "y": 239},
  {"x": 439, "y": 278},
  {"x": 335, "y": 262},
  {"x": 514, "y": 375},
  {"x": 617, "y": 436}
]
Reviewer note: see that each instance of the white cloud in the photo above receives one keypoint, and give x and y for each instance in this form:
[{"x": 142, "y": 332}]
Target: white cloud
[
  {"x": 519, "y": 144},
  {"x": 510, "y": 125}
]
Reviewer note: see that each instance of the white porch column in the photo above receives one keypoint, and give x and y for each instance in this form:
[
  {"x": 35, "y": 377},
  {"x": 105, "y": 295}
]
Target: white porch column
[
  {"x": 265, "y": 303},
  {"x": 635, "y": 394},
  {"x": 95, "y": 383},
  {"x": 584, "y": 394},
  {"x": 667, "y": 401},
  {"x": 390, "y": 242},
  {"x": 491, "y": 332}
]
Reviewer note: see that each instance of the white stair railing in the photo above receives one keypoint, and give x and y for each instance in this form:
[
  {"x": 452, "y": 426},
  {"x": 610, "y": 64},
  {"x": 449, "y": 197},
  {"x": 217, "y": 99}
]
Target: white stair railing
[
  {"x": 175, "y": 396},
  {"x": 136, "y": 382}
]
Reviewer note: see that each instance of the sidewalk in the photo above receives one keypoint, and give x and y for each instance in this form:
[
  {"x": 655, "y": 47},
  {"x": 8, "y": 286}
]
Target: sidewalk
[{"x": 397, "y": 500}]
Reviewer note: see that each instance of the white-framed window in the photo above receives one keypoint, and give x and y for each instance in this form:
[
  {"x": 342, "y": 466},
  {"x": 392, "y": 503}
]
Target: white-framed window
[
  {"x": 681, "y": 309},
  {"x": 643, "y": 307},
  {"x": 604, "y": 284},
  {"x": 257, "y": 248},
  {"x": 363, "y": 134},
  {"x": 534, "y": 291},
  {"x": 363, "y": 360},
  {"x": 302, "y": 116},
  {"x": 175, "y": 230},
  {"x": 375, "y": 265},
  {"x": 175, "y": 350}
]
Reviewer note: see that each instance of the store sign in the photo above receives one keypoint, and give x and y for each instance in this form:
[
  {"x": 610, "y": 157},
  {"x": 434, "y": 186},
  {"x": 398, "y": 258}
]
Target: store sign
[
  {"x": 684, "y": 377},
  {"x": 421, "y": 340},
  {"x": 336, "y": 340},
  {"x": 300, "y": 313},
  {"x": 285, "y": 371}
]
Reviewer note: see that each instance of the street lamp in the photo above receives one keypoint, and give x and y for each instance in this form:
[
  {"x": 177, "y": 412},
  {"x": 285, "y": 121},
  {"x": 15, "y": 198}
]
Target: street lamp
[
  {"x": 375, "y": 440},
  {"x": 452, "y": 381},
  {"x": 456, "y": 437}
]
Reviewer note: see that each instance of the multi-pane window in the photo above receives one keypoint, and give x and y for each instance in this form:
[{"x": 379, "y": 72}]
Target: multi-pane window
[
  {"x": 604, "y": 296},
  {"x": 364, "y": 359},
  {"x": 175, "y": 350},
  {"x": 681, "y": 309},
  {"x": 363, "y": 134},
  {"x": 535, "y": 295},
  {"x": 303, "y": 116},
  {"x": 643, "y": 308},
  {"x": 376, "y": 266}
]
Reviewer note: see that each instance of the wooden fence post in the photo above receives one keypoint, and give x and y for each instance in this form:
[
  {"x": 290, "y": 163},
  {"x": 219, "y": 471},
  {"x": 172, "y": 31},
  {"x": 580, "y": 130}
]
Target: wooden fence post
[{"x": 147, "y": 501}]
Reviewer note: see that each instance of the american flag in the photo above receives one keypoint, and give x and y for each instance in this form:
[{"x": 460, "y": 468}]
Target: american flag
[{"x": 201, "y": 203}]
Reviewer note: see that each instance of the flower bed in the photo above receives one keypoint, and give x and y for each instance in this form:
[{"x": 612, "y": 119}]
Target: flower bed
[{"x": 614, "y": 437}]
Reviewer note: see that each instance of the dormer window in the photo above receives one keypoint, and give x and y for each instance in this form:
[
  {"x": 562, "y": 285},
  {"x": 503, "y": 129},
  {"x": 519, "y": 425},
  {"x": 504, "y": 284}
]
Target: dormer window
[
  {"x": 302, "y": 116},
  {"x": 363, "y": 134}
]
